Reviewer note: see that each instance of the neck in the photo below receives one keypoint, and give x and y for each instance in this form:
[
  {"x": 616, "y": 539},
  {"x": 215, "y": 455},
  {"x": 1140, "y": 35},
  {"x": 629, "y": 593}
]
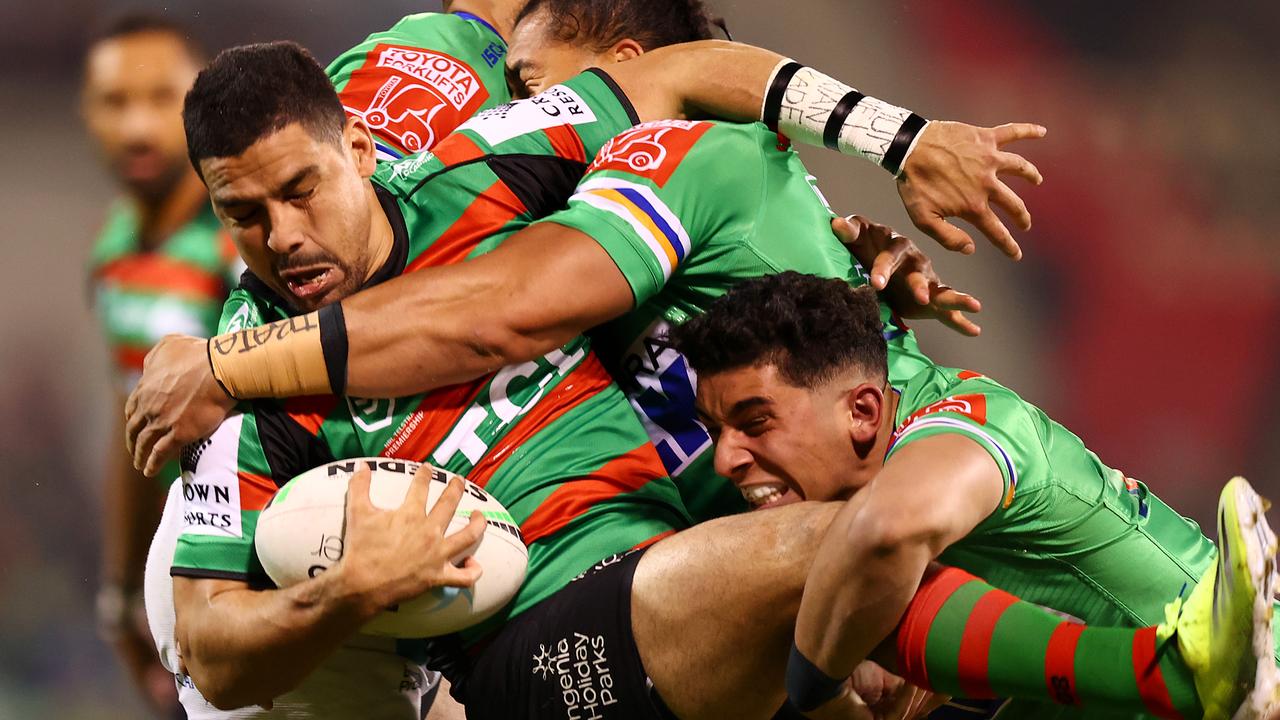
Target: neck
[
  {"x": 501, "y": 14},
  {"x": 160, "y": 218},
  {"x": 381, "y": 236}
]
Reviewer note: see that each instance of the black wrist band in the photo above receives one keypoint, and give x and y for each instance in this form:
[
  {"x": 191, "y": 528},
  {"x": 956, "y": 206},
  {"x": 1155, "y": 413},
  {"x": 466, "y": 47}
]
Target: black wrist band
[
  {"x": 902, "y": 142},
  {"x": 208, "y": 352},
  {"x": 808, "y": 688},
  {"x": 333, "y": 342},
  {"x": 835, "y": 123},
  {"x": 778, "y": 91}
]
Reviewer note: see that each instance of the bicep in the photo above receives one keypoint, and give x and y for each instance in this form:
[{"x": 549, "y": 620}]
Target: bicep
[{"x": 937, "y": 489}]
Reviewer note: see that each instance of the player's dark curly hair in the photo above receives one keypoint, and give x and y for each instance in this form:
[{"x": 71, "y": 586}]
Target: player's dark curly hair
[
  {"x": 251, "y": 91},
  {"x": 601, "y": 24},
  {"x": 810, "y": 328}
]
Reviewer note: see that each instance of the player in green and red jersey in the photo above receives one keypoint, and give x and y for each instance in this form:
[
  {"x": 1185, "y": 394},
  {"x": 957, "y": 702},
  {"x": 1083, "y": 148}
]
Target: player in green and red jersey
[
  {"x": 553, "y": 439},
  {"x": 161, "y": 264},
  {"x": 950, "y": 464}
]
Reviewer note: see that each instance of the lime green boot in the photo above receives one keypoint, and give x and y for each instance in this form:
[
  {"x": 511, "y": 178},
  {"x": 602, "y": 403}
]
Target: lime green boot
[{"x": 1224, "y": 628}]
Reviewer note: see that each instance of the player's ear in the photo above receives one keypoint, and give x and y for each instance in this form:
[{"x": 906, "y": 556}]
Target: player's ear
[
  {"x": 626, "y": 49},
  {"x": 358, "y": 139},
  {"x": 865, "y": 406}
]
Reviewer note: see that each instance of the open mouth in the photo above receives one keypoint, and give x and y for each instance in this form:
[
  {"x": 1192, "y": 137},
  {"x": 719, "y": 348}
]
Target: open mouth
[
  {"x": 769, "y": 495},
  {"x": 310, "y": 282}
]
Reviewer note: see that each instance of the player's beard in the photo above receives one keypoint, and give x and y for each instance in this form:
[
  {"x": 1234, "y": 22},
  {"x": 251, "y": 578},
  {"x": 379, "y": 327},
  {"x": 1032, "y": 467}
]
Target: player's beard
[
  {"x": 155, "y": 188},
  {"x": 352, "y": 278}
]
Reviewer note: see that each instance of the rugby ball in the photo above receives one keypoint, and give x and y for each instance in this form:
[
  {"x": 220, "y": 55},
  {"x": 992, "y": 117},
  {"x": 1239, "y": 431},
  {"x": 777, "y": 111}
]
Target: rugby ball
[{"x": 300, "y": 534}]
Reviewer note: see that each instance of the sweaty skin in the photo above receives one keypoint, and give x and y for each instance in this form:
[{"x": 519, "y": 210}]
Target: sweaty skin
[{"x": 456, "y": 323}]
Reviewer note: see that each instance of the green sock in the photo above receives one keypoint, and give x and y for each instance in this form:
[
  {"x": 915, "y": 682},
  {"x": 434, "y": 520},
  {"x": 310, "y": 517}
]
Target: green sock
[{"x": 966, "y": 638}]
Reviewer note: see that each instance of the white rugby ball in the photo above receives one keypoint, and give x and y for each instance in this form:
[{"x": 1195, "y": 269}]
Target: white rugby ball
[{"x": 300, "y": 534}]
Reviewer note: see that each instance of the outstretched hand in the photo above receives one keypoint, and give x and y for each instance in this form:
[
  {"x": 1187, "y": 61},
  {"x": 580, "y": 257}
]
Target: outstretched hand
[
  {"x": 904, "y": 275},
  {"x": 955, "y": 171}
]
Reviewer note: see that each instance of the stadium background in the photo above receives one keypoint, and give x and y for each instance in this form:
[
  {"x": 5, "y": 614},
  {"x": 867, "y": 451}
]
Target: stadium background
[{"x": 1145, "y": 315}]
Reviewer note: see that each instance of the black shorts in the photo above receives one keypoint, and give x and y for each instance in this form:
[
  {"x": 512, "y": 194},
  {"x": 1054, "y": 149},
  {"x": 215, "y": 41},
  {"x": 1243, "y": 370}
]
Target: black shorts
[{"x": 571, "y": 656}]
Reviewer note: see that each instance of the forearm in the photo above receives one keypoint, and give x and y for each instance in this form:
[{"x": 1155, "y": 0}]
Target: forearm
[
  {"x": 856, "y": 591},
  {"x": 435, "y": 327},
  {"x": 244, "y": 647},
  {"x": 751, "y": 84}
]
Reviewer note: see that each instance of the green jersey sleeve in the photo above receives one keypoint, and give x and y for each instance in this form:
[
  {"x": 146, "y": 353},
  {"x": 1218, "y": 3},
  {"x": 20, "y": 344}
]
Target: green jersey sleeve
[
  {"x": 980, "y": 409},
  {"x": 418, "y": 81},
  {"x": 640, "y": 198}
]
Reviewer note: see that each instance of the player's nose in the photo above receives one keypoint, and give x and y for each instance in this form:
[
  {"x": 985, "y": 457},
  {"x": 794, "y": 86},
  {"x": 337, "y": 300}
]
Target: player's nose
[
  {"x": 287, "y": 232},
  {"x": 732, "y": 459}
]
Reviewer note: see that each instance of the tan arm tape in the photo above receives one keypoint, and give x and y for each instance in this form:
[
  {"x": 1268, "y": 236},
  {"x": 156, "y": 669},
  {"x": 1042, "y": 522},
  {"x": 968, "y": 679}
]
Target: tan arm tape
[{"x": 282, "y": 359}]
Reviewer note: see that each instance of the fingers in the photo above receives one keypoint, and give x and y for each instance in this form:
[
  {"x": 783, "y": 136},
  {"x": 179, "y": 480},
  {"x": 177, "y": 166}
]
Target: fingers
[
  {"x": 443, "y": 511},
  {"x": 142, "y": 447},
  {"x": 1008, "y": 163},
  {"x": 999, "y": 235},
  {"x": 415, "y": 498},
  {"x": 358, "y": 491},
  {"x": 134, "y": 423},
  {"x": 889, "y": 261},
  {"x": 163, "y": 450},
  {"x": 847, "y": 230},
  {"x": 1010, "y": 132},
  {"x": 465, "y": 576},
  {"x": 1008, "y": 200},
  {"x": 947, "y": 235},
  {"x": 466, "y": 538},
  {"x": 960, "y": 323}
]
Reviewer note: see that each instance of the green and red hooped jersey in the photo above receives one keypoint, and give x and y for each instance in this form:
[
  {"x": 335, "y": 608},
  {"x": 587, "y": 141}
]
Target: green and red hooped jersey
[
  {"x": 554, "y": 439},
  {"x": 418, "y": 81},
  {"x": 142, "y": 295},
  {"x": 687, "y": 210}
]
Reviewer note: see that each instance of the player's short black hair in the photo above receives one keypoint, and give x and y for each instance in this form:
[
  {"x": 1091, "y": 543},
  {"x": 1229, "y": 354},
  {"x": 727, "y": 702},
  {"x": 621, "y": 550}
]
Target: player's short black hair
[
  {"x": 810, "y": 328},
  {"x": 251, "y": 91},
  {"x": 139, "y": 22},
  {"x": 602, "y": 23}
]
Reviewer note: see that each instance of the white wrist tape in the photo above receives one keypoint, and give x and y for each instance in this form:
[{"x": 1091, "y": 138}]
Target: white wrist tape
[{"x": 816, "y": 109}]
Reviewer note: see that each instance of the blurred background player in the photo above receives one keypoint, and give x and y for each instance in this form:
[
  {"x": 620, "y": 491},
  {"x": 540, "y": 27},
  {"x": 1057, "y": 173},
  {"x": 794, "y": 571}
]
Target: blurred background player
[{"x": 160, "y": 265}]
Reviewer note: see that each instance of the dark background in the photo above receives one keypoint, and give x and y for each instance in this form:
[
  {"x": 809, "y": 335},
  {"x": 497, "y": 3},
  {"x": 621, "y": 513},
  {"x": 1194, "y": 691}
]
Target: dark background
[{"x": 1144, "y": 315}]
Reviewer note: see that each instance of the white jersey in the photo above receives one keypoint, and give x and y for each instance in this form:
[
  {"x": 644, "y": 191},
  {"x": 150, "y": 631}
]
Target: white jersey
[{"x": 364, "y": 679}]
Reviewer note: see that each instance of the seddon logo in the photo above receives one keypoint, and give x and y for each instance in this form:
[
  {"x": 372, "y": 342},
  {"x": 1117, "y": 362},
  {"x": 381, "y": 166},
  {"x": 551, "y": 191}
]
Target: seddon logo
[
  {"x": 411, "y": 96},
  {"x": 653, "y": 149},
  {"x": 211, "y": 483},
  {"x": 579, "y": 665}
]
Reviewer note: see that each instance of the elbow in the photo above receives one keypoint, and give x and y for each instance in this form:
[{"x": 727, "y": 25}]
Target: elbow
[{"x": 220, "y": 690}]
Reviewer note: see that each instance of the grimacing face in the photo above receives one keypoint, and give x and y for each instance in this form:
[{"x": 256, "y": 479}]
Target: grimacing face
[
  {"x": 536, "y": 59},
  {"x": 298, "y": 209},
  {"x": 779, "y": 443},
  {"x": 132, "y": 105}
]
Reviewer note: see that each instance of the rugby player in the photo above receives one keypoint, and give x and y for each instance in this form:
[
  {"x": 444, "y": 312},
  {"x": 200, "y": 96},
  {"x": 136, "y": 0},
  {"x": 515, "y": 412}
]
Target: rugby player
[
  {"x": 949, "y": 464},
  {"x": 162, "y": 264},
  {"x": 532, "y": 434},
  {"x": 441, "y": 355}
]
